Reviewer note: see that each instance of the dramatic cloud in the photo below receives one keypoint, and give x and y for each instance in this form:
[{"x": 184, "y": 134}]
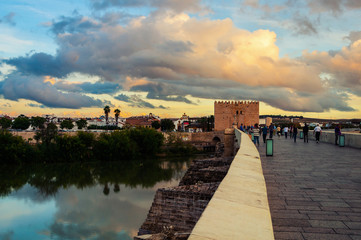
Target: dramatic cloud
[
  {"x": 17, "y": 86},
  {"x": 161, "y": 92},
  {"x": 136, "y": 101},
  {"x": 88, "y": 87},
  {"x": 36, "y": 105},
  {"x": 178, "y": 55}
]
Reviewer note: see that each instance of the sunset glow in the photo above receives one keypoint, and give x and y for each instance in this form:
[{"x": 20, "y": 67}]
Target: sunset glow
[{"x": 170, "y": 57}]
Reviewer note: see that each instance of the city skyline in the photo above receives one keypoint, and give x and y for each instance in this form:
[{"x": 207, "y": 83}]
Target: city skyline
[{"x": 169, "y": 57}]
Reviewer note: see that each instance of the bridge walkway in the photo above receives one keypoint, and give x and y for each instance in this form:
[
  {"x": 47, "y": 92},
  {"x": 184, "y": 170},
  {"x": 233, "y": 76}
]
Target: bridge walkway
[{"x": 314, "y": 190}]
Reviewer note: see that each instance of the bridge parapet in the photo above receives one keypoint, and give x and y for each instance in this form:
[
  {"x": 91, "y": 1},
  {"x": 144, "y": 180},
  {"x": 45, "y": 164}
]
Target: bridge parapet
[{"x": 239, "y": 208}]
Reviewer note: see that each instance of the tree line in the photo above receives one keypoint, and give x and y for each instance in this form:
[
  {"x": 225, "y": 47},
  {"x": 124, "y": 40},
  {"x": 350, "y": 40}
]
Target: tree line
[{"x": 119, "y": 145}]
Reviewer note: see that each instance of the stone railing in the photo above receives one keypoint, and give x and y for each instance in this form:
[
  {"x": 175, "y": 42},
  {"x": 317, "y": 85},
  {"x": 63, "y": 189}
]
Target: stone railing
[
  {"x": 239, "y": 208},
  {"x": 352, "y": 139}
]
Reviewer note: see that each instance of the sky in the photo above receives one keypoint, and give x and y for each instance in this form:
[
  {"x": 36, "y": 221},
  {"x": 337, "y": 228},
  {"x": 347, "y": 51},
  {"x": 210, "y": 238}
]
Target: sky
[{"x": 169, "y": 57}]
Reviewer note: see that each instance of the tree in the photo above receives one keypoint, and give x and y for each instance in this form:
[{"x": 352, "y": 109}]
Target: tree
[
  {"x": 81, "y": 123},
  {"x": 167, "y": 125},
  {"x": 204, "y": 123},
  {"x": 47, "y": 134},
  {"x": 106, "y": 112},
  {"x": 37, "y": 122},
  {"x": 22, "y": 122},
  {"x": 155, "y": 124},
  {"x": 67, "y": 123},
  {"x": 117, "y": 112},
  {"x": 5, "y": 122}
]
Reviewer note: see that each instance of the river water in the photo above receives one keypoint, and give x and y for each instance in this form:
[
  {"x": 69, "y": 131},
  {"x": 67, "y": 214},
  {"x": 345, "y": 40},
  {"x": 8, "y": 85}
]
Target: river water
[{"x": 81, "y": 200}]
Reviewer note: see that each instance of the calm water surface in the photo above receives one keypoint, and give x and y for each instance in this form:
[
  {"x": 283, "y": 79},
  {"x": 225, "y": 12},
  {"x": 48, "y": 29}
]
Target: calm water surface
[{"x": 82, "y": 200}]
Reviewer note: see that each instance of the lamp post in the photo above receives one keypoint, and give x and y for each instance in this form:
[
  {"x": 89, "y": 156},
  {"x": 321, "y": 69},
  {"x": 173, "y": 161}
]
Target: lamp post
[
  {"x": 341, "y": 140},
  {"x": 269, "y": 147}
]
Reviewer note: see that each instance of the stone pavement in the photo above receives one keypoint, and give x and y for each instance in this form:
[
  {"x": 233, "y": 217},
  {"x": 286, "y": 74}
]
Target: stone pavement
[{"x": 314, "y": 190}]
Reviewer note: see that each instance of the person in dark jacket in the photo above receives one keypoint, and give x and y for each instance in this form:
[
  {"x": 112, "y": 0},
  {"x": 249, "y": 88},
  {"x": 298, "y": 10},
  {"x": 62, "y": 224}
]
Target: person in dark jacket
[
  {"x": 305, "y": 133},
  {"x": 337, "y": 133},
  {"x": 264, "y": 133},
  {"x": 295, "y": 131}
]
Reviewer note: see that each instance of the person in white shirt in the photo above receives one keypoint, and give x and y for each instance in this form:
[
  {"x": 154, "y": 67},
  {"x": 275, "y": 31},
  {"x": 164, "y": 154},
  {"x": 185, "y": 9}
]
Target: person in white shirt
[
  {"x": 318, "y": 131},
  {"x": 285, "y": 131}
]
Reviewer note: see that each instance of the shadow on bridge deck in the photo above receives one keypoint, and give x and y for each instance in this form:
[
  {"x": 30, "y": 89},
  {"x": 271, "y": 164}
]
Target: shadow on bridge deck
[{"x": 314, "y": 190}]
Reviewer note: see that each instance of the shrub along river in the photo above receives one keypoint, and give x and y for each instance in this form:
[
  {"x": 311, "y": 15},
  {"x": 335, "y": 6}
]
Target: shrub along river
[{"x": 102, "y": 200}]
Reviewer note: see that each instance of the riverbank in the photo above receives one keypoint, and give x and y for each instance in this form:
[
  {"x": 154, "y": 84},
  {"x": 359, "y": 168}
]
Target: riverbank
[{"x": 176, "y": 210}]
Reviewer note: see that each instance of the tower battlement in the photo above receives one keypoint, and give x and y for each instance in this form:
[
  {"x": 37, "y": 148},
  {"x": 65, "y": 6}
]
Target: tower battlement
[
  {"x": 236, "y": 102},
  {"x": 230, "y": 113}
]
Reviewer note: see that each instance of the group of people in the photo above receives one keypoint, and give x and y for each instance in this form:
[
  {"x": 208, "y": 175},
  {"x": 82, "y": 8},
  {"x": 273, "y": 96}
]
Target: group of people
[{"x": 291, "y": 131}]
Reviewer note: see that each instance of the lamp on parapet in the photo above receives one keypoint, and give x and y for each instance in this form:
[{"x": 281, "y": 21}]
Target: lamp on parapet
[
  {"x": 269, "y": 147},
  {"x": 341, "y": 140}
]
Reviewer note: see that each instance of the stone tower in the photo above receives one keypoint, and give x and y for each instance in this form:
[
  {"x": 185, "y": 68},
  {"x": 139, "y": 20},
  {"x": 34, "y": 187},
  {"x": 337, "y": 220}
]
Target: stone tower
[{"x": 235, "y": 113}]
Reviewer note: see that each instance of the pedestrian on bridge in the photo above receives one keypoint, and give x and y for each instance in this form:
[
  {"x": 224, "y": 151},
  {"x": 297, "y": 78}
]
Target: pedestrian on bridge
[
  {"x": 305, "y": 133},
  {"x": 318, "y": 131},
  {"x": 256, "y": 133},
  {"x": 295, "y": 131},
  {"x": 337, "y": 133},
  {"x": 264, "y": 133},
  {"x": 285, "y": 131},
  {"x": 279, "y": 131},
  {"x": 271, "y": 130}
]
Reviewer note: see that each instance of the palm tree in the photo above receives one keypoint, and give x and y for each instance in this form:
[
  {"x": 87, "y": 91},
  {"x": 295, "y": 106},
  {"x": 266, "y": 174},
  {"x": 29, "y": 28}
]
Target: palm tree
[
  {"x": 106, "y": 111},
  {"x": 117, "y": 112}
]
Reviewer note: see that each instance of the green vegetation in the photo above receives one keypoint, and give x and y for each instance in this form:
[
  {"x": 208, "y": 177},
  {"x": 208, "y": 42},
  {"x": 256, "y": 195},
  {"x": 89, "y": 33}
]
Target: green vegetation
[
  {"x": 167, "y": 125},
  {"x": 116, "y": 114},
  {"x": 81, "y": 123},
  {"x": 106, "y": 112},
  {"x": 22, "y": 122},
  {"x": 155, "y": 124},
  {"x": 95, "y": 127},
  {"x": 37, "y": 122},
  {"x": 174, "y": 145},
  {"x": 5, "y": 122},
  {"x": 67, "y": 123},
  {"x": 207, "y": 123},
  {"x": 14, "y": 149},
  {"x": 51, "y": 146}
]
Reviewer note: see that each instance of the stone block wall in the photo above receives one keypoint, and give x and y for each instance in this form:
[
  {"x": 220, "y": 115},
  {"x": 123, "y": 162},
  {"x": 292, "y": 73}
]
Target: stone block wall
[
  {"x": 176, "y": 210},
  {"x": 240, "y": 112}
]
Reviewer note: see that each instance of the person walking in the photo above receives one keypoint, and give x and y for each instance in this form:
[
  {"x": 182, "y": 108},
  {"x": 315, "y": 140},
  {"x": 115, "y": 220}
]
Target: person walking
[
  {"x": 264, "y": 133},
  {"x": 279, "y": 131},
  {"x": 285, "y": 131},
  {"x": 337, "y": 133},
  {"x": 295, "y": 131},
  {"x": 305, "y": 133},
  {"x": 271, "y": 130},
  {"x": 291, "y": 132},
  {"x": 318, "y": 131},
  {"x": 256, "y": 133}
]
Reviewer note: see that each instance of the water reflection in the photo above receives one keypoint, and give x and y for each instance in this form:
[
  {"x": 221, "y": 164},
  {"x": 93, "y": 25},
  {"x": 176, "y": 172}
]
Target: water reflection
[{"x": 80, "y": 201}]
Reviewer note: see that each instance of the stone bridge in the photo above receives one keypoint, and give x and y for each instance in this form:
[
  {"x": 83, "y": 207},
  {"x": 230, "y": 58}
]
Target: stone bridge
[
  {"x": 304, "y": 191},
  {"x": 203, "y": 140}
]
